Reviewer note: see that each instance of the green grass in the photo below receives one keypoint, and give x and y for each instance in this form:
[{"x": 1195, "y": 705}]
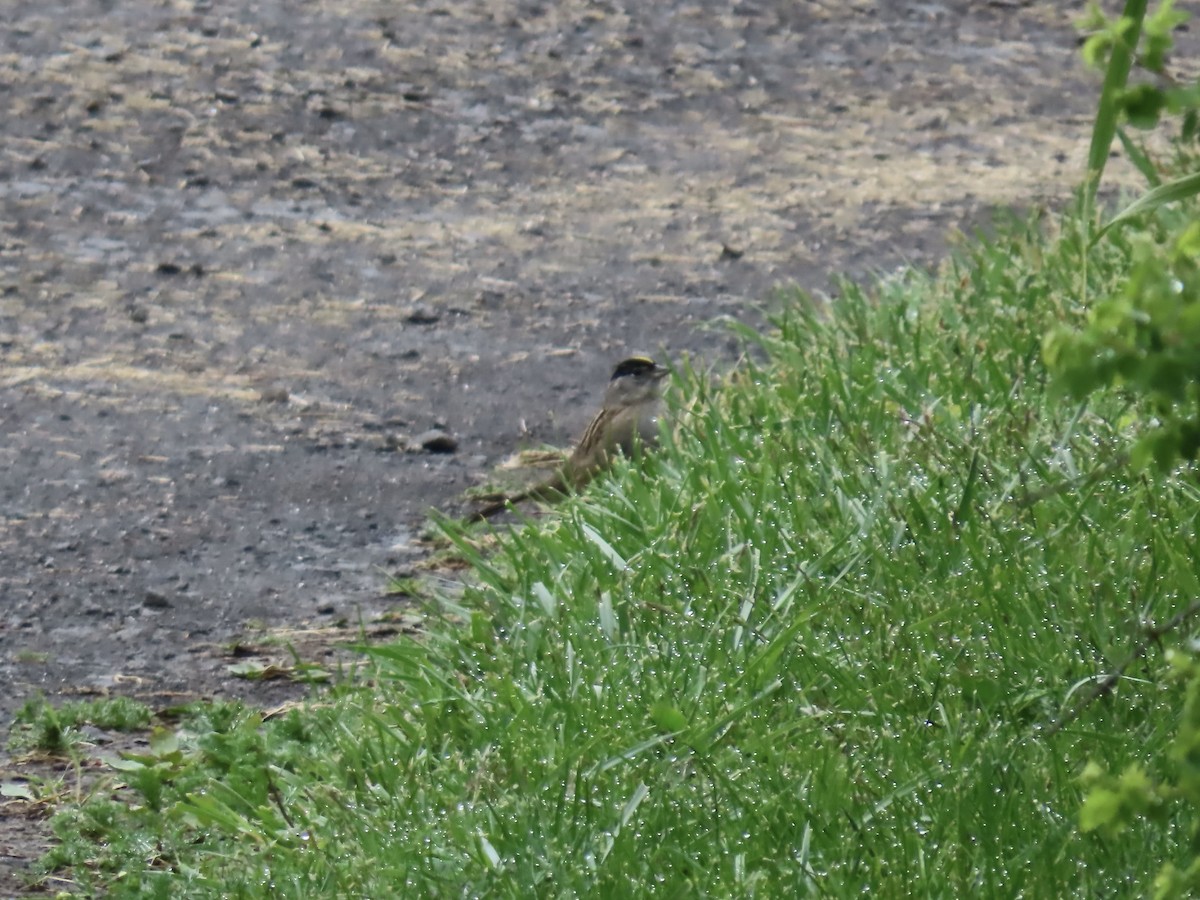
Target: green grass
[
  {"x": 814, "y": 649},
  {"x": 39, "y": 726}
]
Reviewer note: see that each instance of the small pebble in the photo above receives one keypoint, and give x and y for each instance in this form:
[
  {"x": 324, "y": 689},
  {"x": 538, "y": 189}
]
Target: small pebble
[
  {"x": 436, "y": 441},
  {"x": 421, "y": 315},
  {"x": 155, "y": 600}
]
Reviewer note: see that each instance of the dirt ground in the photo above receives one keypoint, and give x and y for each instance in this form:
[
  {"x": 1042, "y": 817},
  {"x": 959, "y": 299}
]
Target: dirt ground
[{"x": 251, "y": 252}]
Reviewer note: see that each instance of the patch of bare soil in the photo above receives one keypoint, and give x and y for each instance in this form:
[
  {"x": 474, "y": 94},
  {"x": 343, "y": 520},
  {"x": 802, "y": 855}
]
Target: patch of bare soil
[{"x": 251, "y": 252}]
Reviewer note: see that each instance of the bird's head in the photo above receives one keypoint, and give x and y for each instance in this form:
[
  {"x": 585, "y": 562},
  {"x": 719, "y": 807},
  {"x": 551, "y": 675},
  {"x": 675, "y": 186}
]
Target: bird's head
[{"x": 635, "y": 380}]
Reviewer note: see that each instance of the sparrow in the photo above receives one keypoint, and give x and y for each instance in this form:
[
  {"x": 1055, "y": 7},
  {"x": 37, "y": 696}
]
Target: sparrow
[{"x": 628, "y": 420}]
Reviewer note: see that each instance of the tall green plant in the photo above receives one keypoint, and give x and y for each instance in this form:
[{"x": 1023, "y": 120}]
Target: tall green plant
[
  {"x": 1113, "y": 45},
  {"x": 1144, "y": 336},
  {"x": 1115, "y": 802},
  {"x": 1116, "y": 40}
]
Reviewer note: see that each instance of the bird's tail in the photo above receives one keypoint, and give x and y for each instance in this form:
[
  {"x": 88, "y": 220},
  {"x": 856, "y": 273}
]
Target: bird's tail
[{"x": 550, "y": 490}]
